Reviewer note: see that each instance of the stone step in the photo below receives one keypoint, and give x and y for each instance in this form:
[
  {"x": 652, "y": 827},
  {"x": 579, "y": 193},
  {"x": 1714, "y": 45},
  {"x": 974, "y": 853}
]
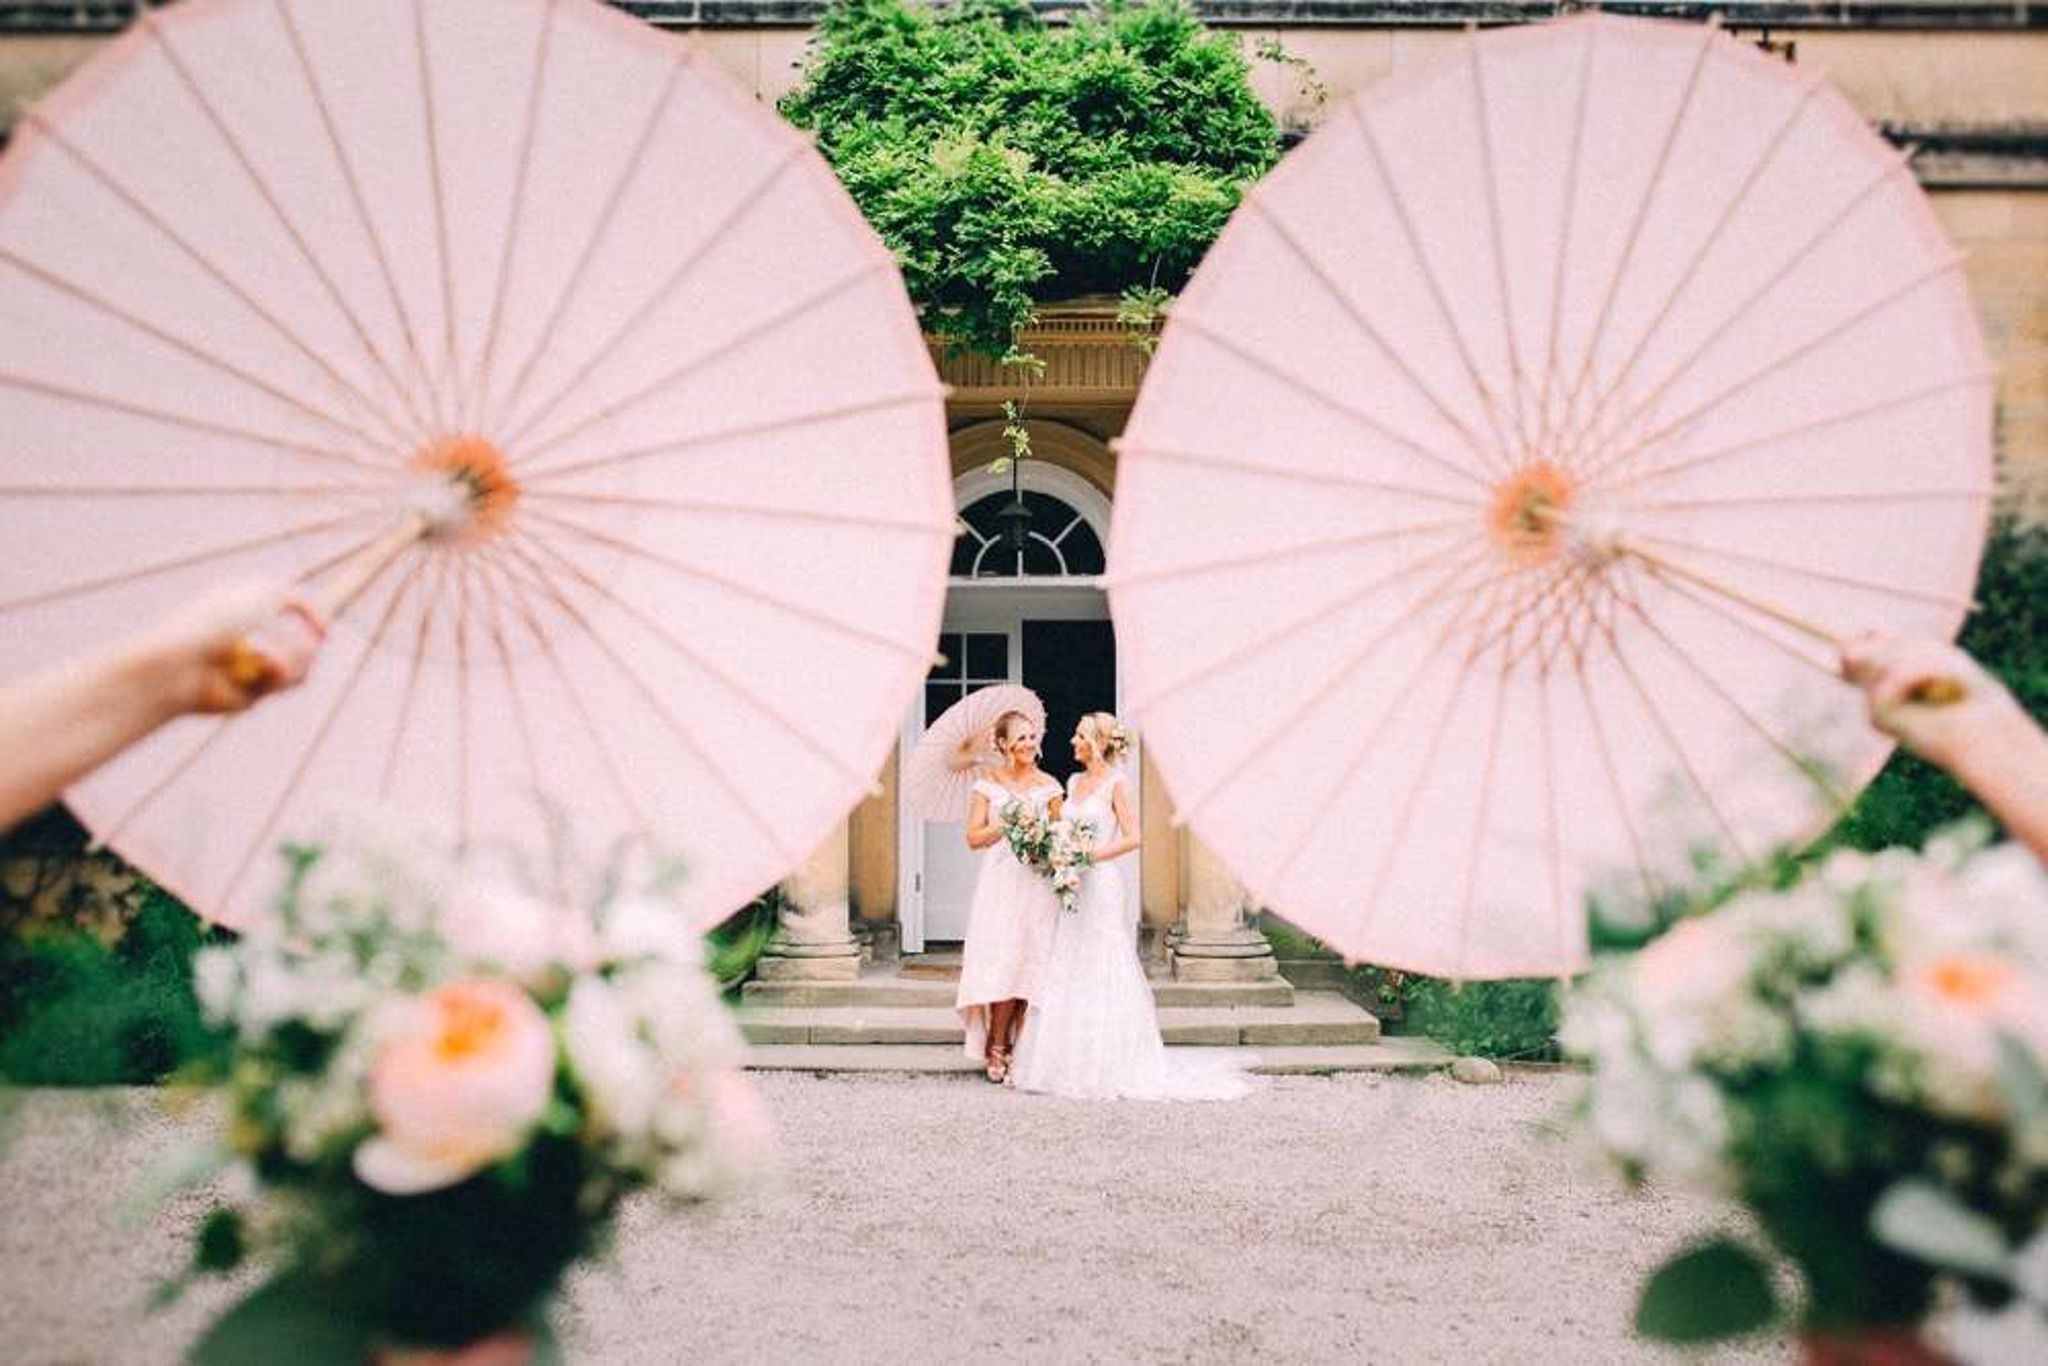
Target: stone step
[
  {"x": 1388, "y": 1055},
  {"x": 889, "y": 990},
  {"x": 1321, "y": 1019}
]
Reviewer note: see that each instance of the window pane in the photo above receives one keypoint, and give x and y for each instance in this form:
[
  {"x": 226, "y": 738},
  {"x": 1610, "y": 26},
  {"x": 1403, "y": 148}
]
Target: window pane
[
  {"x": 949, "y": 646},
  {"x": 1083, "y": 551},
  {"x": 1040, "y": 558},
  {"x": 988, "y": 656},
  {"x": 938, "y": 697}
]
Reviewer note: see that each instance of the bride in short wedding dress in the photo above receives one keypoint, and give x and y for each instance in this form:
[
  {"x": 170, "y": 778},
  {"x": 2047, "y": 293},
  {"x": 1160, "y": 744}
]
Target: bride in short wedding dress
[{"x": 1091, "y": 1030}]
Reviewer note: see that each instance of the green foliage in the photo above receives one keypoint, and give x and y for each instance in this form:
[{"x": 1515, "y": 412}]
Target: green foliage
[
  {"x": 2007, "y": 634},
  {"x": 75, "y": 1011},
  {"x": 1517, "y": 1018},
  {"x": 1007, "y": 160},
  {"x": 1710, "y": 1292},
  {"x": 732, "y": 949}
]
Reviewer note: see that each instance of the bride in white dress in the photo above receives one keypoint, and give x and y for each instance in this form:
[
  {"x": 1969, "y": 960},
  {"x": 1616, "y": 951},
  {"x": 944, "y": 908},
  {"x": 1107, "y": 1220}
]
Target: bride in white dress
[{"x": 1091, "y": 1029}]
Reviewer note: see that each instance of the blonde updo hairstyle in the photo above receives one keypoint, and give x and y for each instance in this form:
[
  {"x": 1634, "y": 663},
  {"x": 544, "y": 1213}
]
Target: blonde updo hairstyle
[
  {"x": 1106, "y": 735},
  {"x": 1006, "y": 727}
]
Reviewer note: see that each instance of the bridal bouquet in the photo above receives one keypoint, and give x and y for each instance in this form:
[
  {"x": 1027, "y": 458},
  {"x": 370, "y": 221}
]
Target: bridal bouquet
[
  {"x": 1070, "y": 849},
  {"x": 1028, "y": 833},
  {"x": 1861, "y": 1059},
  {"x": 439, "y": 1090}
]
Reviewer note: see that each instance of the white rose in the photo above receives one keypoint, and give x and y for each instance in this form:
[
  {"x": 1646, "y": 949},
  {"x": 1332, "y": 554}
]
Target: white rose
[
  {"x": 490, "y": 923},
  {"x": 637, "y": 927},
  {"x": 618, "y": 1072},
  {"x": 215, "y": 980}
]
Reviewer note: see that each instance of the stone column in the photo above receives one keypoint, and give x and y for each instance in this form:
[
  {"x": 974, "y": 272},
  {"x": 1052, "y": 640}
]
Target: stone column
[
  {"x": 814, "y": 942},
  {"x": 1217, "y": 942}
]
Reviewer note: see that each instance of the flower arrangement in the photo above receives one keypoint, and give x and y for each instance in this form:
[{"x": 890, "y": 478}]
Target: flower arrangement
[
  {"x": 1859, "y": 1057},
  {"x": 1069, "y": 853},
  {"x": 439, "y": 1088},
  {"x": 1028, "y": 833}
]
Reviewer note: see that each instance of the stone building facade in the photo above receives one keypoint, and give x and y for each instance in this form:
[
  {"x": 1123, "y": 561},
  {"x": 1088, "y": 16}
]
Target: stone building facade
[{"x": 1964, "y": 83}]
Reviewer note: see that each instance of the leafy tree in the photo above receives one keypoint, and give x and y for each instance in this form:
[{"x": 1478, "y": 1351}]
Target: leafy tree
[{"x": 1007, "y": 160}]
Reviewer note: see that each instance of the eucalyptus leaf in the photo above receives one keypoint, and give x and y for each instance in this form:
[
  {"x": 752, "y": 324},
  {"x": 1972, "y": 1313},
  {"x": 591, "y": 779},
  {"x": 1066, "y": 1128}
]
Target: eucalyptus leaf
[
  {"x": 1922, "y": 1220},
  {"x": 1708, "y": 1293}
]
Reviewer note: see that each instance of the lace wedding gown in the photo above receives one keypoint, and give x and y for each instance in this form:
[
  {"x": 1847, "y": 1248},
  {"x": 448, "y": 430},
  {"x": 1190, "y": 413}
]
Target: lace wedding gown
[
  {"x": 1092, "y": 1031},
  {"x": 1009, "y": 924}
]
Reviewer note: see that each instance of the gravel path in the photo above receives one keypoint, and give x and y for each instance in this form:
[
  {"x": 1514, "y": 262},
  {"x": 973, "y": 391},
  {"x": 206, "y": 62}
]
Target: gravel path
[{"x": 1356, "y": 1218}]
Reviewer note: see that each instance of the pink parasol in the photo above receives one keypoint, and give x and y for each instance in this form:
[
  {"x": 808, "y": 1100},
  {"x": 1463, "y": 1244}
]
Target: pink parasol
[
  {"x": 1508, "y": 468},
  {"x": 938, "y": 781},
  {"x": 518, "y": 327}
]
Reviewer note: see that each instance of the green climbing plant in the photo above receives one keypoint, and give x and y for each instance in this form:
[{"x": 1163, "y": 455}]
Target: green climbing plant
[{"x": 1008, "y": 159}]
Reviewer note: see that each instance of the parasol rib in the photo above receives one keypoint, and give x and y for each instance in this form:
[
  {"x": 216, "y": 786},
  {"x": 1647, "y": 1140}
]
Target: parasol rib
[
  {"x": 1488, "y": 403},
  {"x": 717, "y": 234},
  {"x": 708, "y": 666},
  {"x": 1736, "y": 202},
  {"x": 1622, "y": 805},
  {"x": 1293, "y": 550},
  {"x": 1292, "y": 474},
  {"x": 1192, "y": 803},
  {"x": 1497, "y": 238},
  {"x": 1553, "y": 362},
  {"x": 1769, "y": 440},
  {"x": 1831, "y": 497},
  {"x": 714, "y": 508},
  {"x": 430, "y": 126},
  {"x": 216, "y": 727},
  {"x": 1894, "y": 166},
  {"x": 487, "y": 569},
  {"x": 677, "y": 726},
  {"x": 1710, "y": 33},
  {"x": 1553, "y": 842},
  {"x": 746, "y": 336},
  {"x": 318, "y": 739},
  {"x": 1475, "y": 858},
  {"x": 189, "y": 490},
  {"x": 347, "y": 168},
  {"x": 1718, "y": 604},
  {"x": 410, "y": 692},
  {"x": 628, "y": 174},
  {"x": 213, "y": 271},
  {"x": 1787, "y": 566},
  {"x": 1188, "y": 323},
  {"x": 732, "y": 585},
  {"x": 478, "y": 397},
  {"x": 678, "y": 445},
  {"x": 149, "y": 413},
  {"x": 1255, "y": 204},
  {"x": 176, "y": 562},
  {"x": 462, "y": 707},
  {"x": 185, "y": 346},
  {"x": 1266, "y": 640}
]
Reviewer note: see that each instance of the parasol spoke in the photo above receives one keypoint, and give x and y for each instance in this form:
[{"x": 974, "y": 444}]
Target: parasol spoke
[
  {"x": 430, "y": 125},
  {"x": 318, "y": 739},
  {"x": 718, "y": 436},
  {"x": 1553, "y": 361},
  {"x": 365, "y": 405},
  {"x": 463, "y": 709},
  {"x": 1736, "y": 203},
  {"x": 1830, "y": 497},
  {"x": 669, "y": 379},
  {"x": 409, "y": 693},
  {"x": 1834, "y": 333},
  {"x": 748, "y": 591},
  {"x": 1292, "y": 550},
  {"x": 124, "y": 577},
  {"x": 708, "y": 665},
  {"x": 1497, "y": 238},
  {"x": 713, "y": 507},
  {"x": 216, "y": 726},
  {"x": 1720, "y": 606},
  {"x": 89, "y": 398},
  {"x": 97, "y": 491},
  {"x": 1719, "y": 552},
  {"x": 1475, "y": 858},
  {"x": 1256, "y": 205},
  {"x": 1553, "y": 840},
  {"x": 154, "y": 27},
  {"x": 677, "y": 726},
  {"x": 1262, "y": 741},
  {"x": 1188, "y": 323},
  {"x": 1774, "y": 439},
  {"x": 488, "y": 571},
  {"x": 474, "y": 400},
  {"x": 1604, "y": 747},
  {"x": 628, "y": 175},
  {"x": 1488, "y": 402},
  {"x": 184, "y": 345},
  {"x": 1710, "y": 33},
  {"x": 1266, "y": 640},
  {"x": 1630, "y": 600},
  {"x": 1665, "y": 729},
  {"x": 1893, "y": 167},
  {"x": 783, "y": 162},
  {"x": 1292, "y": 474}
]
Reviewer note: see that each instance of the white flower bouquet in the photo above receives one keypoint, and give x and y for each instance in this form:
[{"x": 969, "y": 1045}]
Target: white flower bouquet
[
  {"x": 1069, "y": 852},
  {"x": 1857, "y": 1057},
  {"x": 1028, "y": 833},
  {"x": 439, "y": 1088}
]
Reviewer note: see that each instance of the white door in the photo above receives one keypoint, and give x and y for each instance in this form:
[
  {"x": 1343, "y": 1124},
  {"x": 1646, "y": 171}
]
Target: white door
[{"x": 975, "y": 659}]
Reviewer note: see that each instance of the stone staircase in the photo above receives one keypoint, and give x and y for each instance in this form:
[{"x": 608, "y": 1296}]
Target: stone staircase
[{"x": 898, "y": 1017}]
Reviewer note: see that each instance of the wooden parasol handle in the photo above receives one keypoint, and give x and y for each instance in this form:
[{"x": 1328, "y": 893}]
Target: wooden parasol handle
[{"x": 247, "y": 664}]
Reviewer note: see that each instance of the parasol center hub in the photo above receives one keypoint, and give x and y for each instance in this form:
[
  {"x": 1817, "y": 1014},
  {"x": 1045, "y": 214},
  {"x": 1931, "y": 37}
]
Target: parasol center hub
[
  {"x": 1531, "y": 512},
  {"x": 468, "y": 493}
]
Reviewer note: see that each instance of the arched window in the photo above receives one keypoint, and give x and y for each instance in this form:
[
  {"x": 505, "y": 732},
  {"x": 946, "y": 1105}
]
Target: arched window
[{"x": 1059, "y": 541}]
